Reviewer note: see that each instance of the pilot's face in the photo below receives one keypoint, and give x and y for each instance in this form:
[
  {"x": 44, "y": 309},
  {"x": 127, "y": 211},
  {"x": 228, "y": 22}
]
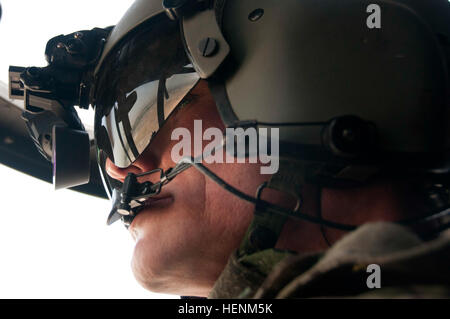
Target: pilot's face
[{"x": 186, "y": 234}]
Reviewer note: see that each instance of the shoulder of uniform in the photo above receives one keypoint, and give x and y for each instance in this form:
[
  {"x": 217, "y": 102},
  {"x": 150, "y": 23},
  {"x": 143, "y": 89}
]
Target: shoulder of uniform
[{"x": 401, "y": 258}]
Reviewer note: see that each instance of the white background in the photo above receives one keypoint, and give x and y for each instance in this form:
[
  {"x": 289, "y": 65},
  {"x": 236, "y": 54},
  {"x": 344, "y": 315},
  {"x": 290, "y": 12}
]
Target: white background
[{"x": 57, "y": 244}]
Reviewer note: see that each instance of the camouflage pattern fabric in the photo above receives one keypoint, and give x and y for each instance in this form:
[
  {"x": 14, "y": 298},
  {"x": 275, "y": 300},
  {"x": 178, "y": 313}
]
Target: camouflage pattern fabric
[{"x": 409, "y": 268}]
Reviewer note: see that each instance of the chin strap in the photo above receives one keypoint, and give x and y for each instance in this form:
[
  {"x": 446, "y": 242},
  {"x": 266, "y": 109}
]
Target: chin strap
[{"x": 265, "y": 228}]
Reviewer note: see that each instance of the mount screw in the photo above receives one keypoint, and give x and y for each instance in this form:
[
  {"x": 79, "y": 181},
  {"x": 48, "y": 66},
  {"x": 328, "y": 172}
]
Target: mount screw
[{"x": 207, "y": 47}]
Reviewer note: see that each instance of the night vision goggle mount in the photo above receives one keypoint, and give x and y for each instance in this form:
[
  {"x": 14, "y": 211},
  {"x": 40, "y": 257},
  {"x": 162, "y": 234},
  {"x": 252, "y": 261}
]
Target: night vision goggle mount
[{"x": 50, "y": 94}]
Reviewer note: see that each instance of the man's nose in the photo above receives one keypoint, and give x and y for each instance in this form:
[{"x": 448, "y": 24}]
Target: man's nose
[{"x": 120, "y": 173}]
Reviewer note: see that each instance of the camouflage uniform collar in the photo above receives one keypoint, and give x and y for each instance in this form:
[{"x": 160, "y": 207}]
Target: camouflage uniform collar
[
  {"x": 404, "y": 258},
  {"x": 243, "y": 275},
  {"x": 409, "y": 266}
]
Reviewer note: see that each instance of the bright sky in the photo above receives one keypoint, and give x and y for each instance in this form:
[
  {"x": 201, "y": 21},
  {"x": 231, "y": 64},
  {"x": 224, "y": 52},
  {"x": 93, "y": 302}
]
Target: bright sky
[{"x": 57, "y": 244}]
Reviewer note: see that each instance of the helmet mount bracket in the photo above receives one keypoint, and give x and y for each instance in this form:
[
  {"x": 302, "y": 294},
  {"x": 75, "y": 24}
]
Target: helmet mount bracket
[{"x": 204, "y": 42}]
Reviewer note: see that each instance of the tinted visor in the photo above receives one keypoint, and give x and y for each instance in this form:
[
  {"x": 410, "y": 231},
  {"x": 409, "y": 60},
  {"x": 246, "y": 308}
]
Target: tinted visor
[{"x": 140, "y": 84}]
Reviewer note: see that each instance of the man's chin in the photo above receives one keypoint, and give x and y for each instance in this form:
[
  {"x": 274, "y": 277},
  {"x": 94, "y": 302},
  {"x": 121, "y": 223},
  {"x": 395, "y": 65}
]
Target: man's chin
[
  {"x": 145, "y": 272},
  {"x": 155, "y": 277}
]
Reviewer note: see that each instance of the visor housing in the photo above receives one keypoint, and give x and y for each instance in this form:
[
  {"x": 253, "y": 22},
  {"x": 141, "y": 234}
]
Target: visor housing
[{"x": 141, "y": 82}]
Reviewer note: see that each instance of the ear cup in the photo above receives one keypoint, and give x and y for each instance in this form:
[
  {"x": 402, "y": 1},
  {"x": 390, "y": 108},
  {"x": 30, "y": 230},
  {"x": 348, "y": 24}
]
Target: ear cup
[{"x": 349, "y": 136}]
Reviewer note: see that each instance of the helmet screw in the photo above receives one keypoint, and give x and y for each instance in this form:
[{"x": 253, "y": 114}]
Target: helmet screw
[{"x": 207, "y": 47}]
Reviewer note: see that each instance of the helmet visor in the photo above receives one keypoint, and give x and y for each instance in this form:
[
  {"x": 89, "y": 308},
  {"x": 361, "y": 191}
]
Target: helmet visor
[{"x": 140, "y": 84}]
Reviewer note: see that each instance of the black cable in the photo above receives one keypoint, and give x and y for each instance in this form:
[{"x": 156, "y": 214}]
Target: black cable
[
  {"x": 262, "y": 203},
  {"x": 319, "y": 214},
  {"x": 187, "y": 162}
]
